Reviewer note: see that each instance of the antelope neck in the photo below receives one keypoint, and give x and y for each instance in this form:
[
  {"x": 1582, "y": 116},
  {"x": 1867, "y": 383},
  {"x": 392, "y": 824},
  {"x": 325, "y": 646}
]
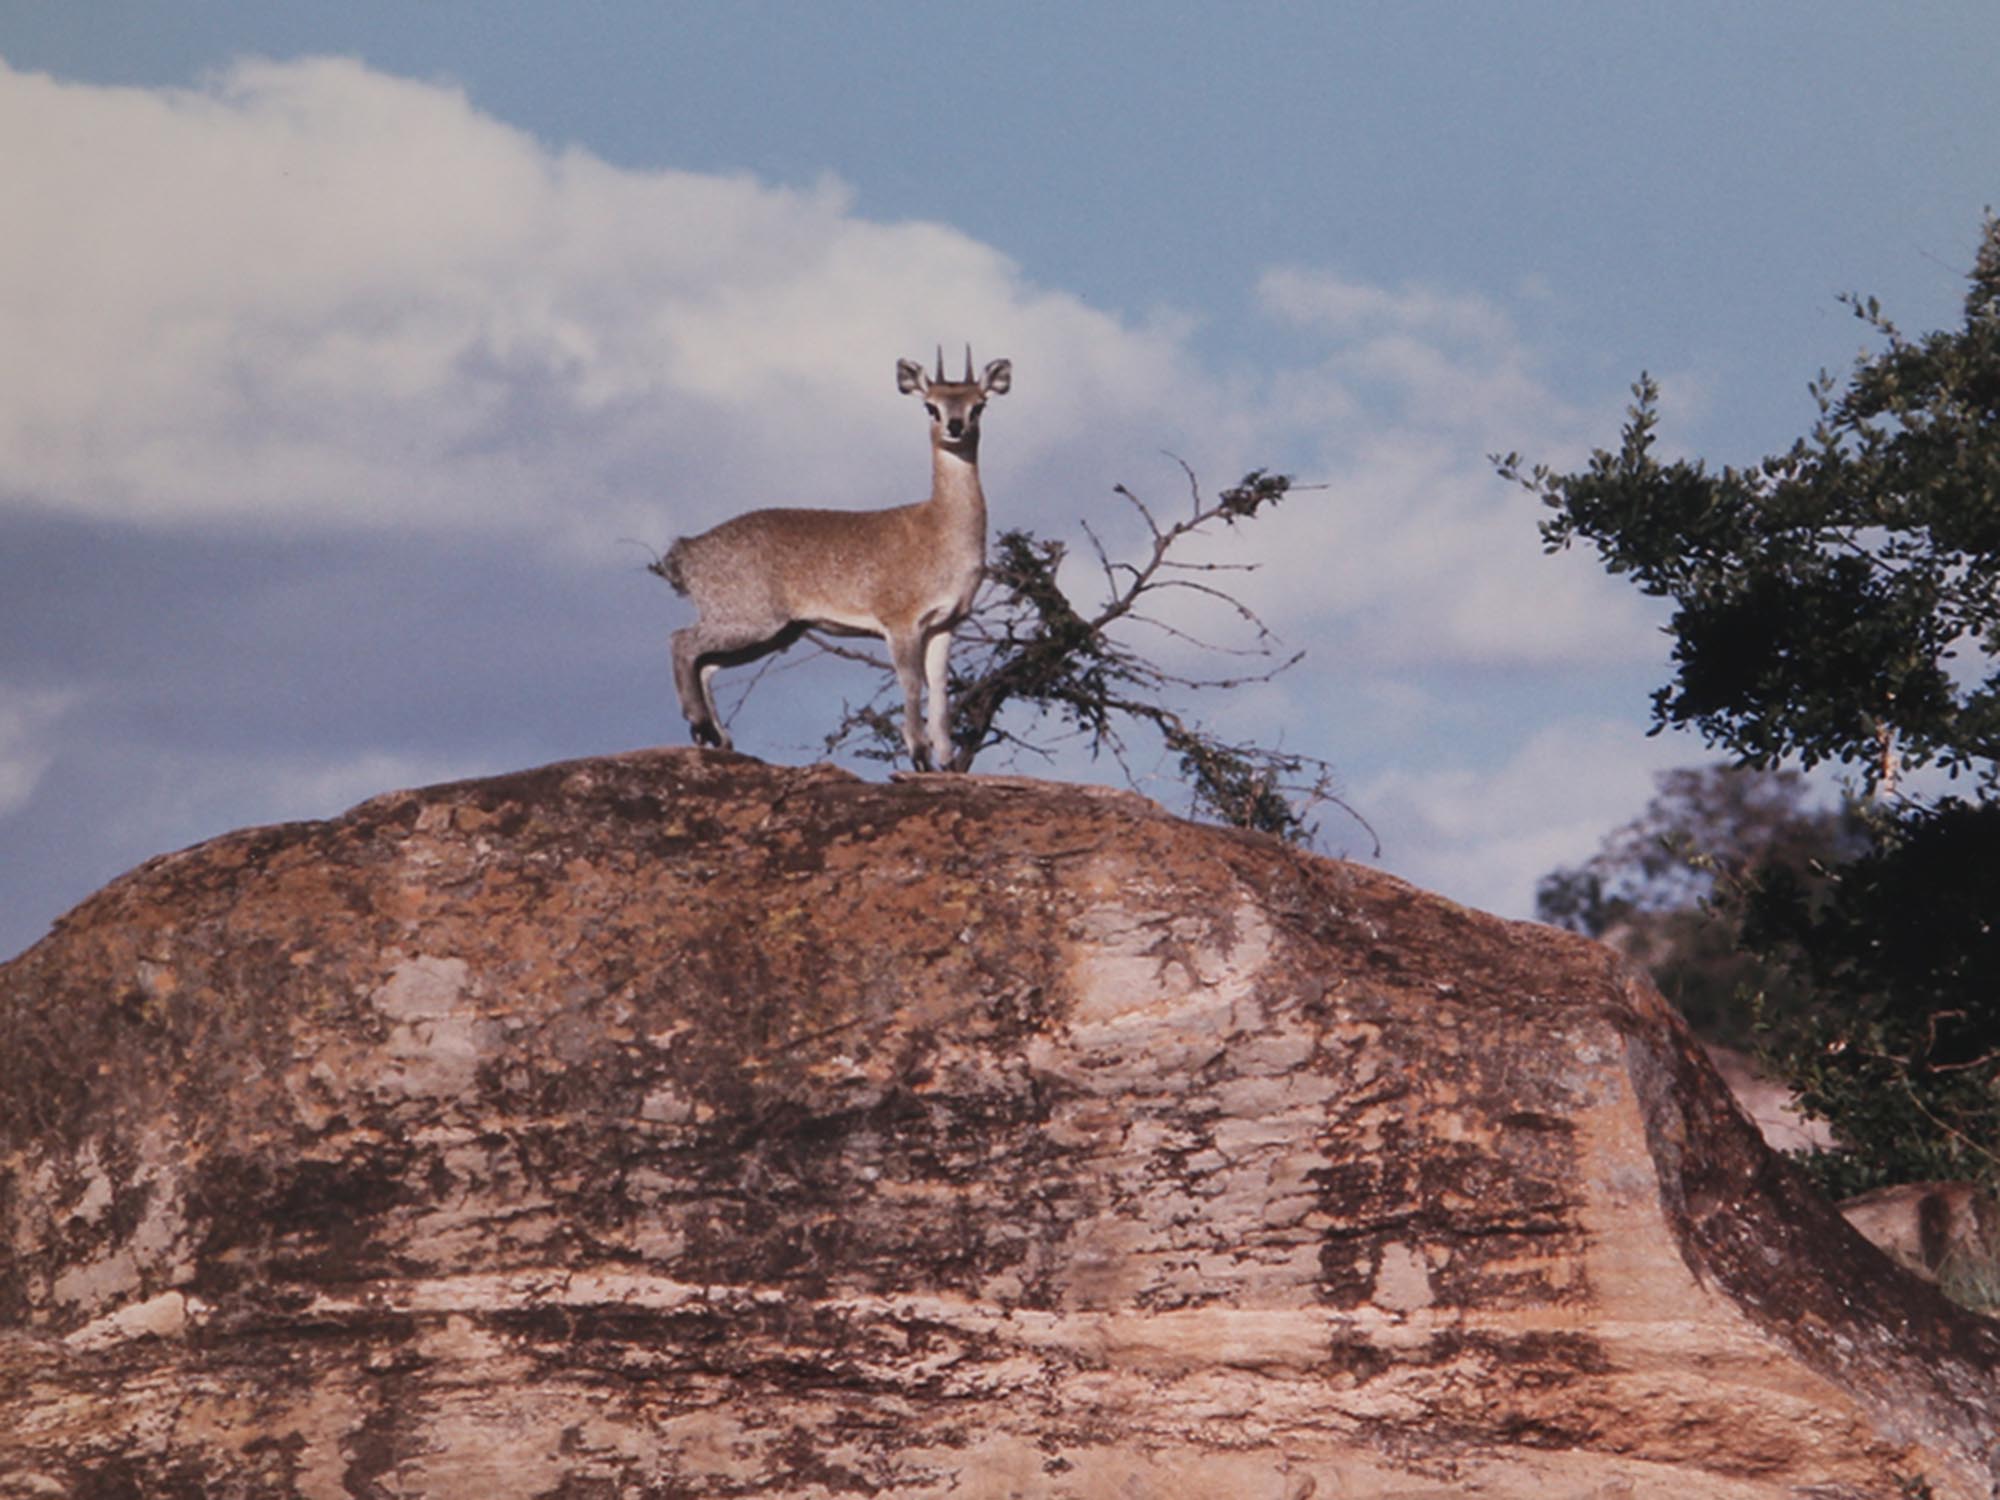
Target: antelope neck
[{"x": 955, "y": 478}]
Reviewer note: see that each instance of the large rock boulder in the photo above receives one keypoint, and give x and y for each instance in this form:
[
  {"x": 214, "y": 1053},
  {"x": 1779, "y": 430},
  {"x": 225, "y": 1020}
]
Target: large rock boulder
[{"x": 675, "y": 1125}]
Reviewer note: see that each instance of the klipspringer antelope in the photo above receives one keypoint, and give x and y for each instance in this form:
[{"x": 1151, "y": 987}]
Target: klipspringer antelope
[{"x": 907, "y": 574}]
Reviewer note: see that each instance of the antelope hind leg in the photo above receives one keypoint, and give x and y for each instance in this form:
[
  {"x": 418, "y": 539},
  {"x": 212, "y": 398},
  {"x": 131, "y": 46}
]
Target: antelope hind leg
[{"x": 692, "y": 681}]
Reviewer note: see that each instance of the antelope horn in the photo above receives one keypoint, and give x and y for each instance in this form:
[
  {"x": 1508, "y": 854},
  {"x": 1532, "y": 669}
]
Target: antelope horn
[
  {"x": 940, "y": 367},
  {"x": 968, "y": 364}
]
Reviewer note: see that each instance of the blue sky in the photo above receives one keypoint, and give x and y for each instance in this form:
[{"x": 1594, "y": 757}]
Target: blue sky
[{"x": 354, "y": 354}]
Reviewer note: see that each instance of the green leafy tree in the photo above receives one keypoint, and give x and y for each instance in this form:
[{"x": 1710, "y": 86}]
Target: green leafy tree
[
  {"x": 1663, "y": 889},
  {"x": 1901, "y": 955},
  {"x": 1840, "y": 602}
]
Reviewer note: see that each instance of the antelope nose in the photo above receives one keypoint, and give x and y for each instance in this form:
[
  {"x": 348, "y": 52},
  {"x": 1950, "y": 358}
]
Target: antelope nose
[{"x": 956, "y": 426}]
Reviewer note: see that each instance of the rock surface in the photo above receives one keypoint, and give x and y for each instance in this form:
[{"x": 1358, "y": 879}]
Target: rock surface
[
  {"x": 1771, "y": 1106},
  {"x": 1933, "y": 1229},
  {"x": 674, "y": 1125}
]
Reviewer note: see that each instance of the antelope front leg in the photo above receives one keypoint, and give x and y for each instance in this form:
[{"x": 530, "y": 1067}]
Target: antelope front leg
[
  {"x": 937, "y": 656},
  {"x": 907, "y": 653}
]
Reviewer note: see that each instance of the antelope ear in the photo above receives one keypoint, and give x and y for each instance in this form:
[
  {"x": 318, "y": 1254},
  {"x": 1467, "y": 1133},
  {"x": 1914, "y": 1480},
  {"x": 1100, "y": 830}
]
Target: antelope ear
[
  {"x": 999, "y": 376},
  {"x": 910, "y": 376}
]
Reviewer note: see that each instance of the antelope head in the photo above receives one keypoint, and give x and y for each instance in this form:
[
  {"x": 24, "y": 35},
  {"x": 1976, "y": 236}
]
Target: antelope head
[{"x": 954, "y": 405}]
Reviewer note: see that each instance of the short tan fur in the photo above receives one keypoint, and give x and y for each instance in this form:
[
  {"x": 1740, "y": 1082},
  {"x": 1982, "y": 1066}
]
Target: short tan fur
[{"x": 907, "y": 574}]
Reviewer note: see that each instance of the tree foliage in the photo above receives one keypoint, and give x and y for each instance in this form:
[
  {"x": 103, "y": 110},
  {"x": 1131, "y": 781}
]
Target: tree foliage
[
  {"x": 1900, "y": 954},
  {"x": 1664, "y": 889},
  {"x": 1840, "y": 602},
  {"x": 1842, "y": 599}
]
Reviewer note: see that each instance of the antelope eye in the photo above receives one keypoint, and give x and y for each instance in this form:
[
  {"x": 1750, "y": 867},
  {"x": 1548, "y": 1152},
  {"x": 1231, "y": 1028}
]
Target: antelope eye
[
  {"x": 978, "y": 407},
  {"x": 931, "y": 407}
]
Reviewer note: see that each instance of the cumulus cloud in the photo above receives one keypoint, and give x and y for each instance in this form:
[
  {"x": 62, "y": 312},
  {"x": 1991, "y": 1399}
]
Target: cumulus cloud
[
  {"x": 1417, "y": 551},
  {"x": 1353, "y": 309},
  {"x": 1484, "y": 834},
  {"x": 312, "y": 293}
]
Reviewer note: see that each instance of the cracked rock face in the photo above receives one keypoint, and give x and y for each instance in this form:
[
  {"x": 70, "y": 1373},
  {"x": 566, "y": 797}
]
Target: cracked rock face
[{"x": 674, "y": 1125}]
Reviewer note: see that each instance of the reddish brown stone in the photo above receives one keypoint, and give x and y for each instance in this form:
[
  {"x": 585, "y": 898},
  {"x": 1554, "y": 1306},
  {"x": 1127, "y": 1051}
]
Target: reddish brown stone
[{"x": 675, "y": 1125}]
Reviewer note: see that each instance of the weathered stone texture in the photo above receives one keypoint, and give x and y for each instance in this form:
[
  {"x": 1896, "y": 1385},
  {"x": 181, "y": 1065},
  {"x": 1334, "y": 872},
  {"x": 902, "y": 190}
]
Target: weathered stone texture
[{"x": 674, "y": 1125}]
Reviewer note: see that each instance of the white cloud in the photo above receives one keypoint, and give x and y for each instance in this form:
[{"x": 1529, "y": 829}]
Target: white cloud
[
  {"x": 28, "y": 718},
  {"x": 1416, "y": 555},
  {"x": 1417, "y": 551},
  {"x": 1351, "y": 309},
  {"x": 1485, "y": 834},
  {"x": 313, "y": 295}
]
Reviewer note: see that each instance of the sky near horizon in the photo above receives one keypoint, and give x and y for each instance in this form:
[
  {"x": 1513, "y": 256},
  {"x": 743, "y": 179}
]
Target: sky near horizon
[{"x": 354, "y": 357}]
